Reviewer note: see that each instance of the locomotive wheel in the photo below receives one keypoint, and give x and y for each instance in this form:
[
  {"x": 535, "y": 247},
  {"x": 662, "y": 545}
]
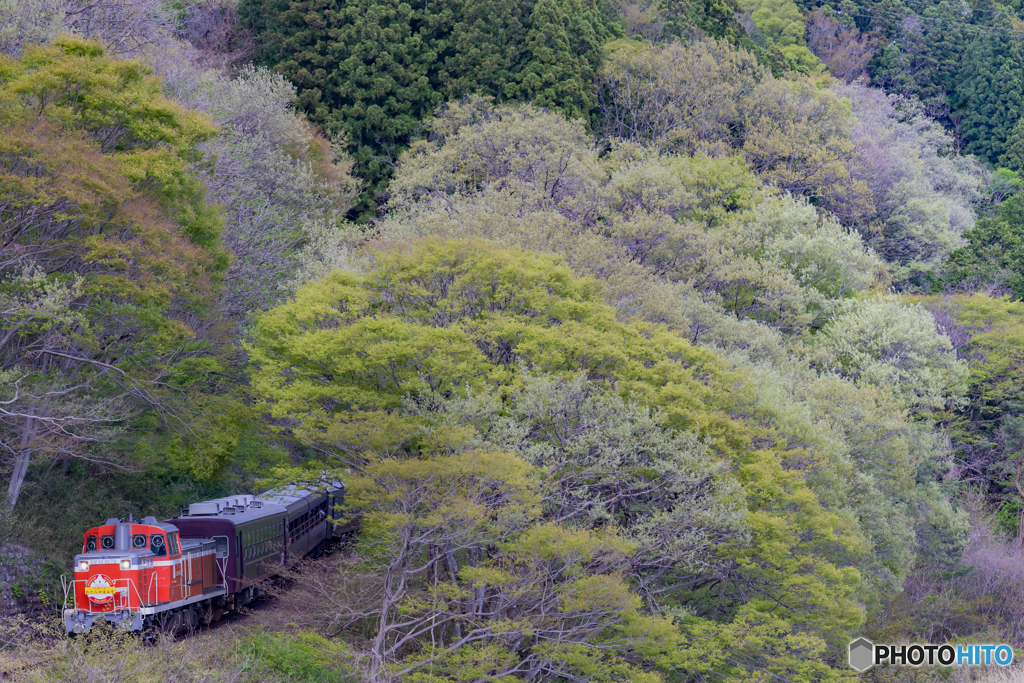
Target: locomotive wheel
[
  {"x": 190, "y": 618},
  {"x": 169, "y": 622},
  {"x": 209, "y": 613}
]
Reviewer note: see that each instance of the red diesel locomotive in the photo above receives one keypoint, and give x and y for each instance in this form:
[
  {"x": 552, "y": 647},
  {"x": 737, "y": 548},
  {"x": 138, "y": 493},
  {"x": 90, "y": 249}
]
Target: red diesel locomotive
[{"x": 190, "y": 570}]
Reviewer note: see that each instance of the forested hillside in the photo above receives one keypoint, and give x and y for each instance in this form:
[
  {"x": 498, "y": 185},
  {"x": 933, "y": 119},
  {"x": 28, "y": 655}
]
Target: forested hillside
[{"x": 654, "y": 341}]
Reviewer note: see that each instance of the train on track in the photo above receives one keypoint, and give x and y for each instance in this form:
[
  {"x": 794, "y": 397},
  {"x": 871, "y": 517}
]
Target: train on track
[{"x": 190, "y": 570}]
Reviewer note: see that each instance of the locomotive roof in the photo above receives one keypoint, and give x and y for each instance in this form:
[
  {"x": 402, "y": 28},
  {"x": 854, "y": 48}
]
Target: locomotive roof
[{"x": 146, "y": 521}]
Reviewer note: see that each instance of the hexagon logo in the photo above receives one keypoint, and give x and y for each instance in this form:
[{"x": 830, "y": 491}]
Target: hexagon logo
[{"x": 862, "y": 654}]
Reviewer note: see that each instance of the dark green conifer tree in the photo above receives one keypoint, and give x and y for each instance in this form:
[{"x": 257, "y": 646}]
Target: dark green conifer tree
[
  {"x": 947, "y": 41},
  {"x": 564, "y": 48},
  {"x": 924, "y": 55},
  {"x": 881, "y": 17},
  {"x": 1013, "y": 157},
  {"x": 904, "y": 61},
  {"x": 990, "y": 90},
  {"x": 368, "y": 69},
  {"x": 717, "y": 18},
  {"x": 994, "y": 253},
  {"x": 487, "y": 47},
  {"x": 372, "y": 70}
]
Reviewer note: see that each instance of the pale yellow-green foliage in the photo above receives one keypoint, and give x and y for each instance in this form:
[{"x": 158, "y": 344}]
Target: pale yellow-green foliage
[
  {"x": 602, "y": 452},
  {"x": 710, "y": 326},
  {"x": 861, "y": 450},
  {"x": 707, "y": 96},
  {"x": 801, "y": 59},
  {"x": 537, "y": 156},
  {"x": 781, "y": 24},
  {"x": 797, "y": 139},
  {"x": 667, "y": 234},
  {"x": 780, "y": 263},
  {"x": 820, "y": 252},
  {"x": 330, "y": 246},
  {"x": 699, "y": 243},
  {"x": 676, "y": 97},
  {"x": 702, "y": 188},
  {"x": 885, "y": 341},
  {"x": 496, "y": 215},
  {"x": 31, "y": 299},
  {"x": 779, "y": 20}
]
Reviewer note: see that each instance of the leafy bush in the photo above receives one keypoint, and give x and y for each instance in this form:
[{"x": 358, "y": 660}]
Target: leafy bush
[{"x": 300, "y": 657}]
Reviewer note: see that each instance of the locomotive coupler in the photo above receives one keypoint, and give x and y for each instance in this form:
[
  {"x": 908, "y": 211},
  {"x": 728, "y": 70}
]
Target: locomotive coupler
[
  {"x": 78, "y": 621},
  {"x": 126, "y": 620}
]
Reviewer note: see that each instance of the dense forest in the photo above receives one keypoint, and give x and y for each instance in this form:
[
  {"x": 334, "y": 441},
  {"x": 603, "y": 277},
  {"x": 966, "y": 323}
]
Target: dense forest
[{"x": 654, "y": 340}]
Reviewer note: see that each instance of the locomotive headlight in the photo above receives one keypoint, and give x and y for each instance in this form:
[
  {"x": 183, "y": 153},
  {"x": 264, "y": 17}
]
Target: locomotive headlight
[
  {"x": 83, "y": 566},
  {"x": 126, "y": 564}
]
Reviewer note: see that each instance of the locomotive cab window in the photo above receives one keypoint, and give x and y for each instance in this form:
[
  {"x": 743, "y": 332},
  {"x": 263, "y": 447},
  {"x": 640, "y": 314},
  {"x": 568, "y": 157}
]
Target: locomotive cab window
[
  {"x": 90, "y": 544},
  {"x": 158, "y": 545},
  {"x": 139, "y": 541},
  {"x": 172, "y": 542},
  {"x": 107, "y": 542}
]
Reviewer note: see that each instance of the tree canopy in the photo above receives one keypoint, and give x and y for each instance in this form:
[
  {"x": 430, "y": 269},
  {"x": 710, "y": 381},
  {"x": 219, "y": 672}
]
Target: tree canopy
[
  {"x": 111, "y": 253},
  {"x": 370, "y": 72},
  {"x": 653, "y": 340}
]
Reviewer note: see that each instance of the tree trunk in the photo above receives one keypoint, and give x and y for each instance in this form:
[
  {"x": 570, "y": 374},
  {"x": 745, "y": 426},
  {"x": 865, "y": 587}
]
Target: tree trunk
[
  {"x": 21, "y": 462},
  {"x": 1020, "y": 490},
  {"x": 453, "y": 571}
]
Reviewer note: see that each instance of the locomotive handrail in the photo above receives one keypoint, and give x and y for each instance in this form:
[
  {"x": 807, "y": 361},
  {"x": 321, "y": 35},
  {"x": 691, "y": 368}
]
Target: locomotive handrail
[
  {"x": 119, "y": 601},
  {"x": 222, "y": 564},
  {"x": 131, "y": 584}
]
